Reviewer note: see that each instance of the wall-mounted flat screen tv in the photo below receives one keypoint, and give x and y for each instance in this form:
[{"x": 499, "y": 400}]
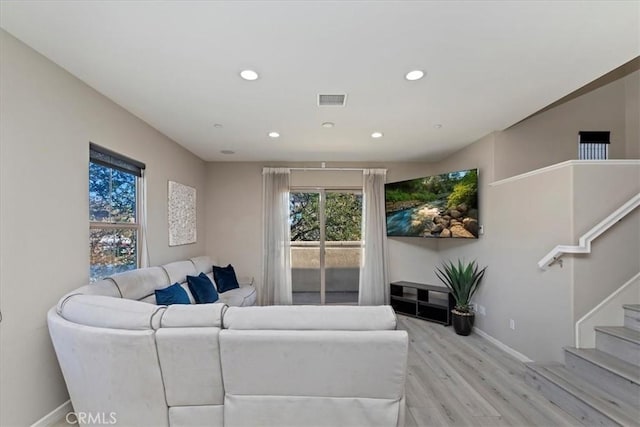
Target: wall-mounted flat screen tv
[{"x": 443, "y": 206}]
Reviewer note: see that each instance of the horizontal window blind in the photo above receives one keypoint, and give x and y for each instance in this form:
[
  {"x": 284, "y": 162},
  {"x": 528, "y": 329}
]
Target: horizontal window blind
[{"x": 105, "y": 157}]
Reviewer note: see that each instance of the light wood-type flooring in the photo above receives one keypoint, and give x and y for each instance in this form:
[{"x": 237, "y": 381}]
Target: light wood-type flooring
[{"x": 467, "y": 381}]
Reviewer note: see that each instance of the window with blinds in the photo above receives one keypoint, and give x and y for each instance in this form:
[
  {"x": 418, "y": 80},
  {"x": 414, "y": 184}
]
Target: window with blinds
[
  {"x": 593, "y": 145},
  {"x": 113, "y": 212}
]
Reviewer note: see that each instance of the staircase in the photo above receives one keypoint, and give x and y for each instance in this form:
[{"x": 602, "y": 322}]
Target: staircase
[{"x": 598, "y": 386}]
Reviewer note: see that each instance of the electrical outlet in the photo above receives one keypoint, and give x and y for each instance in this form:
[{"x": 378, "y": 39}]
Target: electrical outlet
[
  {"x": 481, "y": 229},
  {"x": 482, "y": 310},
  {"x": 474, "y": 307},
  {"x": 512, "y": 324}
]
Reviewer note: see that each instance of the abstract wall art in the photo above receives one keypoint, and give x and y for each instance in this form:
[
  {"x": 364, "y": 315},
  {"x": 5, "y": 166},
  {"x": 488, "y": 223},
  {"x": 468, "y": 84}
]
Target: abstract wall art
[{"x": 182, "y": 214}]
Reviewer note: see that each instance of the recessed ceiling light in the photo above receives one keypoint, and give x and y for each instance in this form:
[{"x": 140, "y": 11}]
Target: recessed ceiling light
[
  {"x": 437, "y": 126},
  {"x": 217, "y": 125},
  {"x": 228, "y": 152},
  {"x": 328, "y": 124},
  {"x": 414, "y": 75},
  {"x": 376, "y": 135},
  {"x": 274, "y": 134},
  {"x": 248, "y": 74}
]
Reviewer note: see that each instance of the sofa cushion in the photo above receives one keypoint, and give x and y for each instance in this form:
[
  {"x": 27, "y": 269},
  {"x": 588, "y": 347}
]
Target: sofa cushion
[
  {"x": 190, "y": 362},
  {"x": 365, "y": 364},
  {"x": 179, "y": 270},
  {"x": 140, "y": 283},
  {"x": 243, "y": 296},
  {"x": 110, "y": 370},
  {"x": 232, "y": 299},
  {"x": 202, "y": 289},
  {"x": 312, "y": 317},
  {"x": 202, "y": 264},
  {"x": 151, "y": 299},
  {"x": 242, "y": 280},
  {"x": 174, "y": 294},
  {"x": 193, "y": 316},
  {"x": 108, "y": 312},
  {"x": 225, "y": 278}
]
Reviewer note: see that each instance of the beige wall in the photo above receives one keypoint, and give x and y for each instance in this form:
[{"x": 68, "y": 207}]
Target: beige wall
[
  {"x": 234, "y": 215},
  {"x": 528, "y": 218},
  {"x": 632, "y": 117},
  {"x": 524, "y": 219},
  {"x": 552, "y": 137},
  {"x": 521, "y": 222},
  {"x": 48, "y": 118},
  {"x": 598, "y": 190},
  {"x": 233, "y": 197}
]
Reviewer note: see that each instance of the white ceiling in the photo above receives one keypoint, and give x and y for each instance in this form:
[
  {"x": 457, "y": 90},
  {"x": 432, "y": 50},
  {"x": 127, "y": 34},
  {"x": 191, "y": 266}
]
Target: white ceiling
[{"x": 175, "y": 64}]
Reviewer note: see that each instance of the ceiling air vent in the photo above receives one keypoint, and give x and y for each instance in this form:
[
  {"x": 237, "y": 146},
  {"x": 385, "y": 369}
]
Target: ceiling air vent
[{"x": 332, "y": 100}]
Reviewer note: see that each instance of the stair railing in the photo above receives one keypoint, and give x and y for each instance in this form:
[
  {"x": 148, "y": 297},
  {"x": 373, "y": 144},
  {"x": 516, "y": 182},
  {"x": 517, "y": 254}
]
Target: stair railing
[{"x": 584, "y": 243}]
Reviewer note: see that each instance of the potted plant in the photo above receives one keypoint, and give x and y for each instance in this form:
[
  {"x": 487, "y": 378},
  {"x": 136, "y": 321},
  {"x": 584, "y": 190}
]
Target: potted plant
[{"x": 463, "y": 279}]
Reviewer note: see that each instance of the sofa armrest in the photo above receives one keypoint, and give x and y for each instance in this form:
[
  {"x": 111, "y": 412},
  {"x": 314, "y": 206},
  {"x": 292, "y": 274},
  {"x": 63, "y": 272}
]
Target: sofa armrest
[
  {"x": 245, "y": 281},
  {"x": 107, "y": 312},
  {"x": 193, "y": 315}
]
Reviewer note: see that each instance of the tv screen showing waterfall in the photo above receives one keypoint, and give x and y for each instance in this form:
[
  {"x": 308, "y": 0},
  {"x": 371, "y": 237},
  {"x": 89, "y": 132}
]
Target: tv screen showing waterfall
[{"x": 443, "y": 206}]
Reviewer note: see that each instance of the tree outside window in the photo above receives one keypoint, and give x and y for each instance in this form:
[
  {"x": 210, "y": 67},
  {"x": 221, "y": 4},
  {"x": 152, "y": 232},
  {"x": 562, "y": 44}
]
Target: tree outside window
[{"x": 113, "y": 220}]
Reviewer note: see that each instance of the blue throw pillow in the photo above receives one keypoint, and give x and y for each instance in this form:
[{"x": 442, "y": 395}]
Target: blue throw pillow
[
  {"x": 225, "y": 278},
  {"x": 202, "y": 289},
  {"x": 174, "y": 294}
]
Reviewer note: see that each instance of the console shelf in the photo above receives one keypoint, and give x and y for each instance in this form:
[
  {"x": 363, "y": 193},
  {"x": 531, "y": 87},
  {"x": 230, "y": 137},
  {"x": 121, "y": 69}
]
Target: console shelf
[{"x": 428, "y": 302}]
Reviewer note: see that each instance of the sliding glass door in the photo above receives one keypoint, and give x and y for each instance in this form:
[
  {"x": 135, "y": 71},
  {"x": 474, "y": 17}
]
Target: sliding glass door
[{"x": 326, "y": 245}]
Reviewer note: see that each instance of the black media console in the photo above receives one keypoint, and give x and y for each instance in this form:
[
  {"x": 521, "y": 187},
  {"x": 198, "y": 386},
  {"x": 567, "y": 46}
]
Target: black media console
[{"x": 428, "y": 302}]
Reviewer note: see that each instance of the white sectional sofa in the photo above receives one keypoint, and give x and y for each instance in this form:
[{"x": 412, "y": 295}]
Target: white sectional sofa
[
  {"x": 125, "y": 358},
  {"x": 140, "y": 284}
]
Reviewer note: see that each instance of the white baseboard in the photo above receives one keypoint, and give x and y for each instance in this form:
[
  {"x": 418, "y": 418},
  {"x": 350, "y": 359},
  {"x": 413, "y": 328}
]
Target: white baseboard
[
  {"x": 502, "y": 346},
  {"x": 54, "y": 416}
]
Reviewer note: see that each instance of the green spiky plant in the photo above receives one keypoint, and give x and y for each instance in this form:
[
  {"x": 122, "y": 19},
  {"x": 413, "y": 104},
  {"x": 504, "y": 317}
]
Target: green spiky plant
[{"x": 463, "y": 280}]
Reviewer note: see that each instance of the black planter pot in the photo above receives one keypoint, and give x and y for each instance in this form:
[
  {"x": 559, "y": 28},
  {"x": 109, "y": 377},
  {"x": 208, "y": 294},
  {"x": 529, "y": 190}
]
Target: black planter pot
[{"x": 462, "y": 322}]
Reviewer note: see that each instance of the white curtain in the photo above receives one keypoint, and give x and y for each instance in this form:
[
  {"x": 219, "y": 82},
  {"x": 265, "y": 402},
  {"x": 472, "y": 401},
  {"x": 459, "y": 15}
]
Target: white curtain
[
  {"x": 276, "y": 280},
  {"x": 142, "y": 234},
  {"x": 373, "y": 268}
]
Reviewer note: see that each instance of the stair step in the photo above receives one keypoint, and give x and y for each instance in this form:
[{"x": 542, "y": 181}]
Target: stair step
[
  {"x": 621, "y": 342},
  {"x": 590, "y": 404},
  {"x": 632, "y": 316},
  {"x": 613, "y": 375}
]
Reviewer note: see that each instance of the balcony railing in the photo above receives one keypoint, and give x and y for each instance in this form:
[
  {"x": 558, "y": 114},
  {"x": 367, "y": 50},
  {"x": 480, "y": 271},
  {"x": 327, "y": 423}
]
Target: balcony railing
[{"x": 342, "y": 267}]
